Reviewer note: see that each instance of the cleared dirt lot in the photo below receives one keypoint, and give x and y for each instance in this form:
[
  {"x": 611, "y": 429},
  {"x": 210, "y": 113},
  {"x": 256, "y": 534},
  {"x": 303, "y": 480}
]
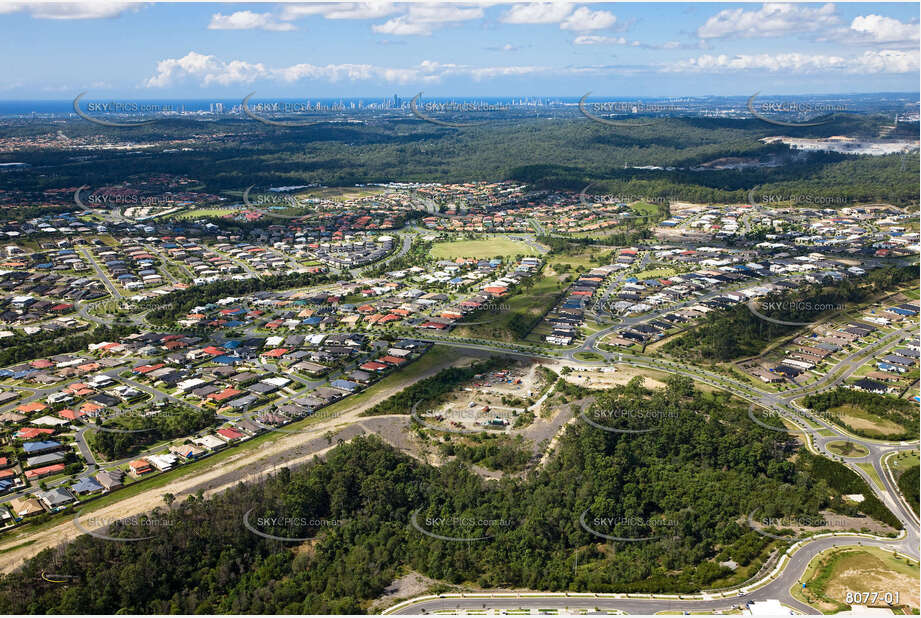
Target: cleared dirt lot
[
  {"x": 602, "y": 377},
  {"x": 499, "y": 394}
]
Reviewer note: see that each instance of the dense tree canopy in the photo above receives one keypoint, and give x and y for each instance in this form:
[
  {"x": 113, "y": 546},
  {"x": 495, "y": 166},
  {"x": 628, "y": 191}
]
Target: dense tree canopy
[{"x": 369, "y": 510}]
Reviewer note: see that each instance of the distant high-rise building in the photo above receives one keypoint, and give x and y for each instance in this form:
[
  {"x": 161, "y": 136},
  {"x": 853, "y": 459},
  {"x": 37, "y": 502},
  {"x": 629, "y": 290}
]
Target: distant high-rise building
[{"x": 396, "y": 100}]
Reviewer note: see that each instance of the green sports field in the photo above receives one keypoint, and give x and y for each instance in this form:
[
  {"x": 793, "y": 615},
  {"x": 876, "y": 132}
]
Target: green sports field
[{"x": 486, "y": 248}]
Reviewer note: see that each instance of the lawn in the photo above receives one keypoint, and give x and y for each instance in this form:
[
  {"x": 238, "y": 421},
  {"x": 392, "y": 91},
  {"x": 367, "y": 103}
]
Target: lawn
[
  {"x": 653, "y": 211},
  {"x": 655, "y": 273},
  {"x": 341, "y": 194},
  {"x": 206, "y": 212},
  {"x": 582, "y": 261},
  {"x": 486, "y": 248},
  {"x": 904, "y": 460},
  {"x": 871, "y": 472}
]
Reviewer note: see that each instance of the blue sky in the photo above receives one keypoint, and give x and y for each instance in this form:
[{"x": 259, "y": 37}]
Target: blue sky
[{"x": 375, "y": 49}]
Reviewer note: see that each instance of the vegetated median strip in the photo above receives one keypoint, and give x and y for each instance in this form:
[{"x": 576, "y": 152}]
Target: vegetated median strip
[
  {"x": 874, "y": 477},
  {"x": 890, "y": 473}
]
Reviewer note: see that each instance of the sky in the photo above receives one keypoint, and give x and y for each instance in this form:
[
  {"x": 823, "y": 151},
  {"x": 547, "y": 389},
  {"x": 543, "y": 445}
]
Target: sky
[{"x": 376, "y": 49}]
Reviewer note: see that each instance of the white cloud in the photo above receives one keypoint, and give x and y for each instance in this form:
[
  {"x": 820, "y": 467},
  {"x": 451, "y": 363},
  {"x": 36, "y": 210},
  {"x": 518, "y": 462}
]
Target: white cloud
[
  {"x": 210, "y": 70},
  {"x": 247, "y": 20},
  {"x": 424, "y": 19},
  {"x": 580, "y": 19},
  {"x": 583, "y": 19},
  {"x": 598, "y": 39},
  {"x": 595, "y": 39},
  {"x": 537, "y": 13},
  {"x": 885, "y": 61},
  {"x": 770, "y": 20},
  {"x": 344, "y": 10},
  {"x": 330, "y": 72},
  {"x": 98, "y": 9},
  {"x": 879, "y": 29},
  {"x": 11, "y": 7},
  {"x": 793, "y": 62},
  {"x": 490, "y": 72},
  {"x": 401, "y": 26},
  {"x": 443, "y": 14}
]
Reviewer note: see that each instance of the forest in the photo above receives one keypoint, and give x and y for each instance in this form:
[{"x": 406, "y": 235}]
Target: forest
[
  {"x": 701, "y": 471},
  {"x": 564, "y": 154}
]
